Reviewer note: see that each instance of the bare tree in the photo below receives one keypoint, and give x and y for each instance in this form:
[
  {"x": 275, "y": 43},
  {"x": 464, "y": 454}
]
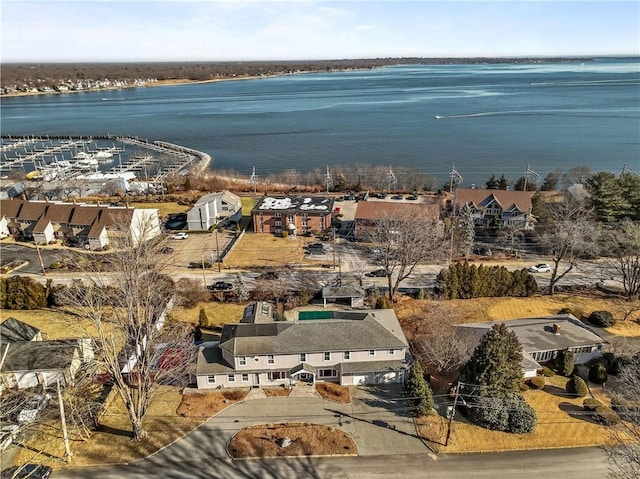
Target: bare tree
[
  {"x": 570, "y": 234},
  {"x": 403, "y": 241},
  {"x": 126, "y": 300},
  {"x": 440, "y": 346},
  {"x": 623, "y": 246},
  {"x": 624, "y": 456}
]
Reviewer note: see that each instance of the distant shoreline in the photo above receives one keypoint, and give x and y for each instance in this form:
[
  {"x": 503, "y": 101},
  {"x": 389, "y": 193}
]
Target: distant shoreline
[{"x": 61, "y": 74}]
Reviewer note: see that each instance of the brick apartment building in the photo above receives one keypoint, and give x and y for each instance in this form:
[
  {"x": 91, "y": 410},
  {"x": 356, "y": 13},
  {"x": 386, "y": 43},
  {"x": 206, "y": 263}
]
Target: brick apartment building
[{"x": 294, "y": 214}]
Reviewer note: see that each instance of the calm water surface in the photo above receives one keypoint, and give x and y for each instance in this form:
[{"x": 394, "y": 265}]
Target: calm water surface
[{"x": 484, "y": 118}]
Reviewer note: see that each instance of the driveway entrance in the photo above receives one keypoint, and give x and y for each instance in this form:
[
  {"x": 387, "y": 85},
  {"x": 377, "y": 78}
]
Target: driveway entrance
[{"x": 376, "y": 419}]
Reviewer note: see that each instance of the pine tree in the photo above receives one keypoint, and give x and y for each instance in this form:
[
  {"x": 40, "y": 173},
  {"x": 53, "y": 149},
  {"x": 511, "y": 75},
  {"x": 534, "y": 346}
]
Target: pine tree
[
  {"x": 492, "y": 183},
  {"x": 496, "y": 363},
  {"x": 418, "y": 390},
  {"x": 565, "y": 362},
  {"x": 203, "y": 319}
]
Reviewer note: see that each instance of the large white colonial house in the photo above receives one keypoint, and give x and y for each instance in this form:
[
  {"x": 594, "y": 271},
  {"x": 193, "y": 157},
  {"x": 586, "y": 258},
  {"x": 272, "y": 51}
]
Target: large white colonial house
[
  {"x": 346, "y": 347},
  {"x": 542, "y": 338},
  {"x": 212, "y": 208}
]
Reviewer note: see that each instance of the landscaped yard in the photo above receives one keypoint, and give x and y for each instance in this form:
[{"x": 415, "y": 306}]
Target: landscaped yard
[{"x": 562, "y": 422}]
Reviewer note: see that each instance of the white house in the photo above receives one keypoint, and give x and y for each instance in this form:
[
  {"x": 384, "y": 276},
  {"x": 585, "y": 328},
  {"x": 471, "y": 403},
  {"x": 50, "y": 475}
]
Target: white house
[
  {"x": 81, "y": 224},
  {"x": 212, "y": 208},
  {"x": 348, "y": 347}
]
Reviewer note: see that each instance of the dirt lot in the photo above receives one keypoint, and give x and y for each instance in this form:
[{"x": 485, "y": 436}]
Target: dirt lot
[
  {"x": 306, "y": 440},
  {"x": 205, "y": 405},
  {"x": 262, "y": 249}
]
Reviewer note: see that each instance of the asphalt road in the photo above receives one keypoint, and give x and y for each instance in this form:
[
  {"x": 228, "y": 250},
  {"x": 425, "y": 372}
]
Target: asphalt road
[{"x": 588, "y": 463}]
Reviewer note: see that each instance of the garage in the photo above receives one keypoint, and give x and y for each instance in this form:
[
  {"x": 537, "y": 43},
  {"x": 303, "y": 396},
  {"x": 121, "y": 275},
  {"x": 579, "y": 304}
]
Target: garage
[{"x": 366, "y": 378}]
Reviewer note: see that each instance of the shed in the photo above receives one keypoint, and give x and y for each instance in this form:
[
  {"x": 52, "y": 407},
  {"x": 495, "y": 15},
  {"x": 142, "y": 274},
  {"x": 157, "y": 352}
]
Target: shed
[{"x": 350, "y": 295}]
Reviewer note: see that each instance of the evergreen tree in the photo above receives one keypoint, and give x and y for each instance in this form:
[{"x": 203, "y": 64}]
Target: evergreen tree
[
  {"x": 203, "y": 319},
  {"x": 503, "y": 183},
  {"x": 495, "y": 371},
  {"x": 607, "y": 196},
  {"x": 550, "y": 181},
  {"x": 523, "y": 183},
  {"x": 496, "y": 363},
  {"x": 418, "y": 390},
  {"x": 565, "y": 362},
  {"x": 492, "y": 183}
]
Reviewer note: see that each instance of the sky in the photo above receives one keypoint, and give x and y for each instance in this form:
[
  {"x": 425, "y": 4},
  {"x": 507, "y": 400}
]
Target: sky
[{"x": 236, "y": 30}]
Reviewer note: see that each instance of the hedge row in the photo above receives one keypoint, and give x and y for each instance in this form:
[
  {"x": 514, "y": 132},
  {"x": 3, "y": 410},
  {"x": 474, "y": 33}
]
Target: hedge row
[{"x": 465, "y": 281}]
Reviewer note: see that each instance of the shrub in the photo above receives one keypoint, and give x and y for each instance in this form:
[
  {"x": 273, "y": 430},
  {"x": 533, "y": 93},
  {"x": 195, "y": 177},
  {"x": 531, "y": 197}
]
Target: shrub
[
  {"x": 591, "y": 404},
  {"x": 604, "y": 319},
  {"x": 618, "y": 364},
  {"x": 576, "y": 385},
  {"x": 548, "y": 372},
  {"x": 608, "y": 359},
  {"x": 598, "y": 373},
  {"x": 284, "y": 234},
  {"x": 523, "y": 386},
  {"x": 418, "y": 391},
  {"x": 606, "y": 415},
  {"x": 565, "y": 362},
  {"x": 538, "y": 382},
  {"x": 566, "y": 311},
  {"x": 203, "y": 320},
  {"x": 383, "y": 302},
  {"x": 21, "y": 292}
]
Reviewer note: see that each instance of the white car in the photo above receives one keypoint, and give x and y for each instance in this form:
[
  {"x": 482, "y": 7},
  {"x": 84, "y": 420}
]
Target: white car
[
  {"x": 180, "y": 236},
  {"x": 33, "y": 407},
  {"x": 539, "y": 268}
]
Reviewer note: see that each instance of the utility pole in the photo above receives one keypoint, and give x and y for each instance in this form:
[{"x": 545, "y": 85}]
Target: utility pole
[
  {"x": 333, "y": 230},
  {"x": 452, "y": 413},
  {"x": 204, "y": 276},
  {"x": 40, "y": 258},
  {"x": 458, "y": 178},
  {"x": 328, "y": 180},
  {"x": 217, "y": 250},
  {"x": 532, "y": 173},
  {"x": 65, "y": 435},
  {"x": 391, "y": 178},
  {"x": 253, "y": 180}
]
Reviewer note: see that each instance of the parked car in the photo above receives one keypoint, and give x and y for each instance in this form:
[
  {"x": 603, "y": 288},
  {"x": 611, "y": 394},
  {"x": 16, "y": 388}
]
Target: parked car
[
  {"x": 539, "y": 268},
  {"x": 412, "y": 197},
  {"x": 268, "y": 275},
  {"x": 176, "y": 222},
  {"x": 30, "y": 471},
  {"x": 166, "y": 250},
  {"x": 315, "y": 245},
  {"x": 179, "y": 236},
  {"x": 220, "y": 286},
  {"x": 397, "y": 197},
  {"x": 34, "y": 406},
  {"x": 379, "y": 273}
]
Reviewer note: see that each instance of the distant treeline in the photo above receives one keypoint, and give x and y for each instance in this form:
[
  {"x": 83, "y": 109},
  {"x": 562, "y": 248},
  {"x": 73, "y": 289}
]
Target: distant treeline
[{"x": 49, "y": 74}]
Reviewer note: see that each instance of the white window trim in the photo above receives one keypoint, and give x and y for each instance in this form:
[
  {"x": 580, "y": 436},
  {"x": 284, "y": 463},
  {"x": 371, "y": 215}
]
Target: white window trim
[
  {"x": 211, "y": 379},
  {"x": 392, "y": 352},
  {"x": 271, "y": 359},
  {"x": 245, "y": 378},
  {"x": 372, "y": 352},
  {"x": 303, "y": 357},
  {"x": 231, "y": 378},
  {"x": 346, "y": 355},
  {"x": 242, "y": 360},
  {"x": 324, "y": 356}
]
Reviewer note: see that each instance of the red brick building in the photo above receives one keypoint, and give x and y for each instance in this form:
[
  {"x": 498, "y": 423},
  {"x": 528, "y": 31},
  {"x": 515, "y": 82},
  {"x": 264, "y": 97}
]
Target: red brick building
[{"x": 294, "y": 214}]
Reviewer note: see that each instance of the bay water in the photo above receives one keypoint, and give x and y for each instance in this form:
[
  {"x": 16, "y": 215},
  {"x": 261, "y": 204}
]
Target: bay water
[{"x": 483, "y": 118}]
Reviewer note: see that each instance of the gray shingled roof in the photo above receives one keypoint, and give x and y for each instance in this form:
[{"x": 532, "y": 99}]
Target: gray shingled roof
[
  {"x": 347, "y": 291},
  {"x": 12, "y": 330},
  {"x": 39, "y": 355},
  {"x": 376, "y": 329},
  {"x": 537, "y": 334}
]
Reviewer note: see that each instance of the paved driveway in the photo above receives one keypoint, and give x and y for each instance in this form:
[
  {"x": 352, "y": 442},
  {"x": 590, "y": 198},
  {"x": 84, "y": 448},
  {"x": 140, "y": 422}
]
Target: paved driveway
[{"x": 374, "y": 419}]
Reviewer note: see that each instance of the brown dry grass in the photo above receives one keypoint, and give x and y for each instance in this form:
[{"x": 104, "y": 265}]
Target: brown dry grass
[
  {"x": 112, "y": 442},
  {"x": 53, "y": 322},
  {"x": 307, "y": 440},
  {"x": 165, "y": 208},
  {"x": 205, "y": 405},
  {"x": 263, "y": 249},
  {"x": 411, "y": 312},
  {"x": 217, "y": 313},
  {"x": 556, "y": 428},
  {"x": 276, "y": 392},
  {"x": 334, "y": 392}
]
